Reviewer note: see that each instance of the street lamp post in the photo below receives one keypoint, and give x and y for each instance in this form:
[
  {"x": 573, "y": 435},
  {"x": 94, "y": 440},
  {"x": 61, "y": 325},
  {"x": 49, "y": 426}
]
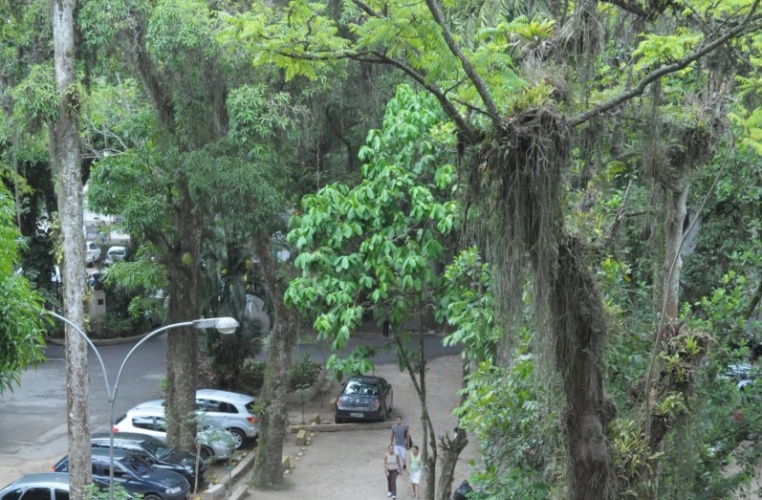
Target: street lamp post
[{"x": 224, "y": 325}]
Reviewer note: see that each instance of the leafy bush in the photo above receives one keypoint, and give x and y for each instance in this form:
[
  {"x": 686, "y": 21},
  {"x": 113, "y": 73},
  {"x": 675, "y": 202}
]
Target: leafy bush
[
  {"x": 250, "y": 379},
  {"x": 112, "y": 326},
  {"x": 303, "y": 373}
]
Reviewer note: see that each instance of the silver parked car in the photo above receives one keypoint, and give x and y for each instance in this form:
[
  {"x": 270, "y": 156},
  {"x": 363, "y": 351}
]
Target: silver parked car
[
  {"x": 47, "y": 485},
  {"x": 116, "y": 253},
  {"x": 92, "y": 253},
  {"x": 213, "y": 442},
  {"x": 229, "y": 410}
]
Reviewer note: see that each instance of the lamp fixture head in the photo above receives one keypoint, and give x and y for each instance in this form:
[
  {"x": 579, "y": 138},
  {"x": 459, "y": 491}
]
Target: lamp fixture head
[{"x": 224, "y": 325}]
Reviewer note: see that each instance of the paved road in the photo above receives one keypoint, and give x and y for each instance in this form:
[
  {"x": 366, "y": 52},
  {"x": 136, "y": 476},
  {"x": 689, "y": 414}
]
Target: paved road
[{"x": 33, "y": 416}]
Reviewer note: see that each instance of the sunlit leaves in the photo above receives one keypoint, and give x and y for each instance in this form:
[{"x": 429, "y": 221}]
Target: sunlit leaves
[
  {"x": 36, "y": 97},
  {"x": 21, "y": 341},
  {"x": 374, "y": 245},
  {"x": 659, "y": 49},
  {"x": 302, "y": 42}
]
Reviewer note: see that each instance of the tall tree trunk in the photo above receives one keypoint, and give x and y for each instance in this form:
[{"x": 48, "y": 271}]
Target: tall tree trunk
[
  {"x": 451, "y": 449},
  {"x": 272, "y": 430},
  {"x": 414, "y": 362},
  {"x": 675, "y": 201},
  {"x": 182, "y": 344},
  {"x": 576, "y": 311},
  {"x": 66, "y": 161}
]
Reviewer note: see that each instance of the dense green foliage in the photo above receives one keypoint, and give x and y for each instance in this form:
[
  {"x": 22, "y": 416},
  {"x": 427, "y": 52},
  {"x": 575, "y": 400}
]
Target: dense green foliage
[
  {"x": 394, "y": 221},
  {"x": 21, "y": 328}
]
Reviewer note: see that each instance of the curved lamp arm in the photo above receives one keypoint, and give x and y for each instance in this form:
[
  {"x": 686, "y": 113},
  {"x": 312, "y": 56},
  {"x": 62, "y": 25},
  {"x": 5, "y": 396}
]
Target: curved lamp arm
[
  {"x": 90, "y": 343},
  {"x": 224, "y": 325}
]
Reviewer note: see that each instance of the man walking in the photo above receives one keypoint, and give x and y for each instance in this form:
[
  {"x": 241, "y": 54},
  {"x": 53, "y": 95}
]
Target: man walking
[{"x": 399, "y": 440}]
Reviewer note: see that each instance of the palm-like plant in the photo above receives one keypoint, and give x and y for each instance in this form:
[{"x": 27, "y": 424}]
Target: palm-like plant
[{"x": 227, "y": 283}]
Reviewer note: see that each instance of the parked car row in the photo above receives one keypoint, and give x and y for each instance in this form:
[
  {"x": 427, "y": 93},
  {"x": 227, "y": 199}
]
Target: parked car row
[
  {"x": 230, "y": 411},
  {"x": 136, "y": 474},
  {"x": 115, "y": 253},
  {"x": 143, "y": 464},
  {"x": 214, "y": 442}
]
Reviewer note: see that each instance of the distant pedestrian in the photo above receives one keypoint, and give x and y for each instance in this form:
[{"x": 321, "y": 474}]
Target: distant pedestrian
[
  {"x": 400, "y": 439},
  {"x": 414, "y": 460},
  {"x": 392, "y": 469}
]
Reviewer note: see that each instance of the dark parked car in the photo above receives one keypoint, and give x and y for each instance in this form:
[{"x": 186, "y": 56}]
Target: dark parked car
[
  {"x": 364, "y": 398},
  {"x": 46, "y": 485},
  {"x": 135, "y": 475},
  {"x": 154, "y": 451}
]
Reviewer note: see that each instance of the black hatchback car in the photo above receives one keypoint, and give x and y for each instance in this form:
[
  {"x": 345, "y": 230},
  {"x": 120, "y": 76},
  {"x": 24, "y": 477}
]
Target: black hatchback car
[
  {"x": 156, "y": 452},
  {"x": 135, "y": 475},
  {"x": 364, "y": 398}
]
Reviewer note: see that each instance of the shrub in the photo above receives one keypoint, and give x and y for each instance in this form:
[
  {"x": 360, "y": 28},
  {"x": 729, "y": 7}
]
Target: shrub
[
  {"x": 303, "y": 373},
  {"x": 249, "y": 381}
]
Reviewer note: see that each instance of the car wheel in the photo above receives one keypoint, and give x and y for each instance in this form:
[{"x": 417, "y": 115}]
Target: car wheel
[
  {"x": 205, "y": 453},
  {"x": 151, "y": 497},
  {"x": 240, "y": 437}
]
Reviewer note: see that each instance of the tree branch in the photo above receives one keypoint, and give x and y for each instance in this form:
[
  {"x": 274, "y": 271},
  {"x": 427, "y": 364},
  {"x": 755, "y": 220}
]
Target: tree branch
[
  {"x": 366, "y": 8},
  {"x": 631, "y": 7},
  {"x": 481, "y": 86},
  {"x": 663, "y": 71},
  {"x": 447, "y": 105}
]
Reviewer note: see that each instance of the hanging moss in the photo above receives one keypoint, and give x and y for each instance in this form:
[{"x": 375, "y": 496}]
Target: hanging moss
[{"x": 515, "y": 185}]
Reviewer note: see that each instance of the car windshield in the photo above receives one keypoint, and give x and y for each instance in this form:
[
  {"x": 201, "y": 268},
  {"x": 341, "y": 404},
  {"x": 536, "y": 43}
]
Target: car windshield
[
  {"x": 138, "y": 465},
  {"x": 157, "y": 448},
  {"x": 361, "y": 388}
]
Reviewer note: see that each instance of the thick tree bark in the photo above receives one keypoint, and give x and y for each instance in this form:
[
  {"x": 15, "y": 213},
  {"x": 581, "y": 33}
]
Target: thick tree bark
[
  {"x": 576, "y": 312},
  {"x": 451, "y": 449},
  {"x": 676, "y": 199},
  {"x": 182, "y": 344},
  {"x": 273, "y": 427},
  {"x": 64, "y": 145}
]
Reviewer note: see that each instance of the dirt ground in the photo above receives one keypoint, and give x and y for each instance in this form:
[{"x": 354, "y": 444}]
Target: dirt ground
[{"x": 348, "y": 464}]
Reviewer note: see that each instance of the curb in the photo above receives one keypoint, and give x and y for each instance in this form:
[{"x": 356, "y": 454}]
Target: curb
[
  {"x": 220, "y": 490},
  {"x": 101, "y": 342},
  {"x": 360, "y": 426}
]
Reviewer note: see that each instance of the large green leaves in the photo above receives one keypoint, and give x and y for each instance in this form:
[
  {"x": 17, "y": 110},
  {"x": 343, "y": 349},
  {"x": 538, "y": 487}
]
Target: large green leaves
[
  {"x": 21, "y": 341},
  {"x": 375, "y": 246}
]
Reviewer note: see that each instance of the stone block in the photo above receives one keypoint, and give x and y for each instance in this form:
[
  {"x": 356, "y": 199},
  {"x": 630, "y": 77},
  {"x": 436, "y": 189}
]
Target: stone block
[{"x": 301, "y": 436}]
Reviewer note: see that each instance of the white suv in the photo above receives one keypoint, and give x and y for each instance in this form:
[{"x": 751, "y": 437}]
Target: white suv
[
  {"x": 148, "y": 418},
  {"x": 92, "y": 253},
  {"x": 230, "y": 410}
]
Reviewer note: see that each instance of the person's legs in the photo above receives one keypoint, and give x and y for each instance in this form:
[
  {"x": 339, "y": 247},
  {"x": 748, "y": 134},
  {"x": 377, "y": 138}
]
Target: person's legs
[
  {"x": 389, "y": 484},
  {"x": 393, "y": 482},
  {"x": 401, "y": 452},
  {"x": 415, "y": 478}
]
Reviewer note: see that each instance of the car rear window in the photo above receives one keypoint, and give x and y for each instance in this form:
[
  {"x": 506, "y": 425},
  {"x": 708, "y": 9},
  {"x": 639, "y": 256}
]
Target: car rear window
[
  {"x": 250, "y": 407},
  {"x": 212, "y": 405},
  {"x": 361, "y": 389},
  {"x": 156, "y": 448}
]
